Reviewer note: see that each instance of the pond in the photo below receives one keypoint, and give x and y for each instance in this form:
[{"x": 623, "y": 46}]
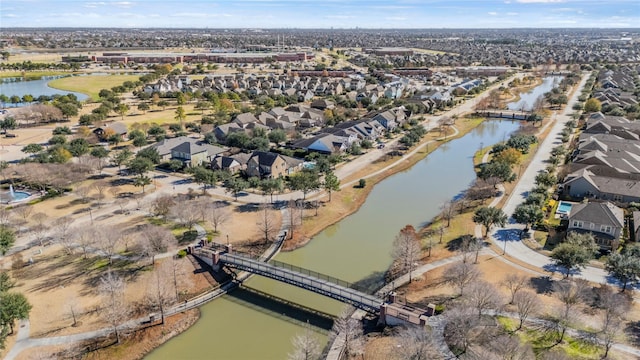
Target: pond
[{"x": 35, "y": 88}]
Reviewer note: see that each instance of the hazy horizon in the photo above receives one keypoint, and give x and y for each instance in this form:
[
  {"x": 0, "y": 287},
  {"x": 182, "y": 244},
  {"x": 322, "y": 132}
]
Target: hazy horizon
[{"x": 312, "y": 14}]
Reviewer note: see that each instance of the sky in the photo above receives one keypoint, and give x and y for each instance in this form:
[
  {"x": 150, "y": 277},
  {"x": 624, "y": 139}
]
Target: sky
[{"x": 345, "y": 14}]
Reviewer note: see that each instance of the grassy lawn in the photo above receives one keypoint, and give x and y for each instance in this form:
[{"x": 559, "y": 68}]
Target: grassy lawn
[
  {"x": 91, "y": 84},
  {"x": 543, "y": 340}
]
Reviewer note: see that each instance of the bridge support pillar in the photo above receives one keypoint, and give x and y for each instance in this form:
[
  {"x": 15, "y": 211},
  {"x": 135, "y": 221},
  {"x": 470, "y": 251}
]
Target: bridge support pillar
[
  {"x": 228, "y": 248},
  {"x": 392, "y": 297},
  {"x": 382, "y": 319},
  {"x": 215, "y": 261}
]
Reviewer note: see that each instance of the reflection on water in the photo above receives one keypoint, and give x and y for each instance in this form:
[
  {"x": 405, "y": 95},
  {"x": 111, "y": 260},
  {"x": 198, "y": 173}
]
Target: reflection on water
[
  {"x": 35, "y": 88},
  {"x": 356, "y": 250},
  {"x": 528, "y": 100}
]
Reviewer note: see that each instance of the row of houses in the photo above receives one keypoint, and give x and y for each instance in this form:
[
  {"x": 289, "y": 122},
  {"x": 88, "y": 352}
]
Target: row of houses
[
  {"x": 193, "y": 152},
  {"x": 605, "y": 171},
  {"x": 327, "y": 140},
  {"x": 304, "y": 88},
  {"x": 616, "y": 88}
]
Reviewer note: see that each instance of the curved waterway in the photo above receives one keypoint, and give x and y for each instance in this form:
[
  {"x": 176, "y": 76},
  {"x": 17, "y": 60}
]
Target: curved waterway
[{"x": 244, "y": 325}]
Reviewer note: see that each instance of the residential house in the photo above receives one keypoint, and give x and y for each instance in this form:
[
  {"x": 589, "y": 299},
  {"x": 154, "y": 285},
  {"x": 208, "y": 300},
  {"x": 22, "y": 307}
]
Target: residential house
[
  {"x": 245, "y": 119},
  {"x": 221, "y": 131},
  {"x": 190, "y": 151},
  {"x": 264, "y": 164},
  {"x": 604, "y": 221},
  {"x": 115, "y": 128},
  {"x": 326, "y": 143},
  {"x": 585, "y": 183},
  {"x": 233, "y": 164}
]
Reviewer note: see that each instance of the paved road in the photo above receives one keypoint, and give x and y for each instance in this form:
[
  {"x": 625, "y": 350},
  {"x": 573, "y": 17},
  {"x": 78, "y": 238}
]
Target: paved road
[{"x": 510, "y": 233}]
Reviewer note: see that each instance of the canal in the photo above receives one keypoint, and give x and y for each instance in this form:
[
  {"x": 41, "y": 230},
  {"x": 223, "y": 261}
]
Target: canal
[
  {"x": 244, "y": 325},
  {"x": 528, "y": 100}
]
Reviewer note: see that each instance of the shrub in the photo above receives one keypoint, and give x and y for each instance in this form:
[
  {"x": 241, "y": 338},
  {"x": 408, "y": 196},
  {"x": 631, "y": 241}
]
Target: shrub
[
  {"x": 182, "y": 253},
  {"x": 362, "y": 183}
]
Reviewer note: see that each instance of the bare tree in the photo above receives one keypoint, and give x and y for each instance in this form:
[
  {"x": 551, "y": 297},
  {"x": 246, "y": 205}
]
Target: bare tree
[
  {"x": 459, "y": 330},
  {"x": 448, "y": 211},
  {"x": 5, "y": 215},
  {"x": 122, "y": 204},
  {"x": 83, "y": 193},
  {"x": 415, "y": 343},
  {"x": 39, "y": 233},
  {"x": 348, "y": 331},
  {"x": 161, "y": 205},
  {"x": 440, "y": 230},
  {"x": 305, "y": 346},
  {"x": 571, "y": 294},
  {"x": 482, "y": 296},
  {"x": 85, "y": 237},
  {"x": 161, "y": 292},
  {"x": 527, "y": 303},
  {"x": 471, "y": 244},
  {"x": 614, "y": 307},
  {"x": 217, "y": 215},
  {"x": 40, "y": 218},
  {"x": 155, "y": 240},
  {"x": 187, "y": 214},
  {"x": 115, "y": 191},
  {"x": 24, "y": 211},
  {"x": 62, "y": 228},
  {"x": 514, "y": 283},
  {"x": 267, "y": 223},
  {"x": 74, "y": 308},
  {"x": 101, "y": 186},
  {"x": 460, "y": 275},
  {"x": 114, "y": 309},
  {"x": 295, "y": 217},
  {"x": 107, "y": 241},
  {"x": 180, "y": 276},
  {"x": 406, "y": 250},
  {"x": 507, "y": 347}
]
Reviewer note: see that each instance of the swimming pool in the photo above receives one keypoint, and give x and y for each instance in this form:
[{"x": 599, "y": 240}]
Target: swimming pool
[{"x": 564, "y": 207}]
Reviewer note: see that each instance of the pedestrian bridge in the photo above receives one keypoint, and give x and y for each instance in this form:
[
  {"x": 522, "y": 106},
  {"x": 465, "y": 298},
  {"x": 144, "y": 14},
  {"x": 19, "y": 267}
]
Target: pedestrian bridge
[{"x": 321, "y": 284}]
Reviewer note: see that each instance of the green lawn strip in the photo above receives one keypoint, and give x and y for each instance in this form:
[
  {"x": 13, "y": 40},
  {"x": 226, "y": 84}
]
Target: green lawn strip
[
  {"x": 31, "y": 74},
  {"x": 91, "y": 84}
]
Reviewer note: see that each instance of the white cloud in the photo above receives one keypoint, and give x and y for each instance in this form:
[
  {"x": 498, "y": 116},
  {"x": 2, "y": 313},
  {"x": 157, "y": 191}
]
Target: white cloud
[
  {"x": 95, "y": 4},
  {"x": 512, "y": 14},
  {"x": 122, "y": 4},
  {"x": 540, "y": 1},
  {"x": 10, "y": 15},
  {"x": 492, "y": 13}
]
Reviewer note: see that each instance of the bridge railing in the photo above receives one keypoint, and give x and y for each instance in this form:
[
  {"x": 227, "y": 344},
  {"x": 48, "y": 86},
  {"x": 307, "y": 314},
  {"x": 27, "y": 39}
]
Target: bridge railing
[{"x": 318, "y": 275}]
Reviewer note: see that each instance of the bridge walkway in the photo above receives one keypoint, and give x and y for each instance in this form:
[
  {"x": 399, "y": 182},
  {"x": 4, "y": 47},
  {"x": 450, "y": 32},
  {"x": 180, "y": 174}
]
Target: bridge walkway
[{"x": 319, "y": 284}]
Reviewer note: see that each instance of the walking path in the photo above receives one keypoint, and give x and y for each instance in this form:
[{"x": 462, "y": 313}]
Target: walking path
[{"x": 23, "y": 341}]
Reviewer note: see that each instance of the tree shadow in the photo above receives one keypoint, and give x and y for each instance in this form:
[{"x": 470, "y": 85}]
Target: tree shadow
[
  {"x": 458, "y": 243},
  {"x": 632, "y": 331},
  {"x": 371, "y": 283},
  {"x": 246, "y": 208},
  {"x": 542, "y": 284}
]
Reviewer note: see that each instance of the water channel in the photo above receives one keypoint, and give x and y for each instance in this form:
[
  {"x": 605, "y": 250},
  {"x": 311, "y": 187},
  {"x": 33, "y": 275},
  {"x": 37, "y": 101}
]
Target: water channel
[
  {"x": 528, "y": 100},
  {"x": 243, "y": 325}
]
